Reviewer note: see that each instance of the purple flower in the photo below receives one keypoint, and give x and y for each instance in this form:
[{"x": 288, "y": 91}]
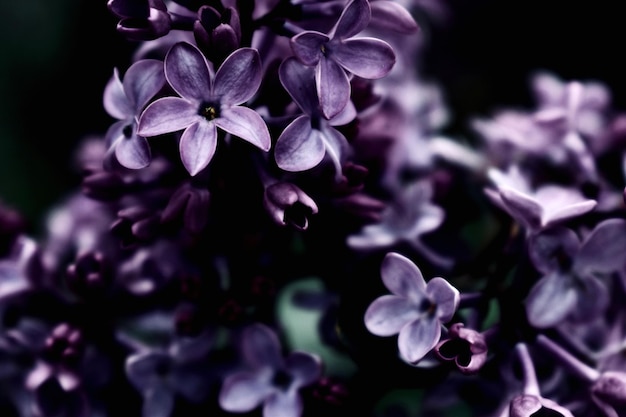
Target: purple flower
[
  {"x": 271, "y": 380},
  {"x": 124, "y": 100},
  {"x": 571, "y": 271},
  {"x": 288, "y": 204},
  {"x": 415, "y": 310},
  {"x": 466, "y": 347},
  {"x": 306, "y": 140},
  {"x": 207, "y": 101},
  {"x": 338, "y": 53},
  {"x": 141, "y": 19}
]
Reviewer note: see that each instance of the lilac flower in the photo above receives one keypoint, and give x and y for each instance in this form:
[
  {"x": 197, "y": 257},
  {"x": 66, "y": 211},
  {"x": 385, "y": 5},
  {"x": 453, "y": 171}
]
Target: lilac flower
[
  {"x": 415, "y": 310},
  {"x": 406, "y": 219},
  {"x": 141, "y": 19},
  {"x": 288, "y": 204},
  {"x": 125, "y": 101},
  {"x": 271, "y": 380},
  {"x": 536, "y": 209},
  {"x": 338, "y": 53},
  {"x": 466, "y": 347},
  {"x": 571, "y": 271},
  {"x": 207, "y": 101},
  {"x": 217, "y": 34},
  {"x": 305, "y": 141}
]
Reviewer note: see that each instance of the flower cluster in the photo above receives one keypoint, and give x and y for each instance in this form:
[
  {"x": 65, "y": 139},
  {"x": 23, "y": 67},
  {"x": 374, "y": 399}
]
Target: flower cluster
[{"x": 276, "y": 225}]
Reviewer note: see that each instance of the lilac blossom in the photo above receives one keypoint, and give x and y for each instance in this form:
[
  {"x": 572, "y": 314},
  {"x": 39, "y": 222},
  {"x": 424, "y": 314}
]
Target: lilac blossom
[
  {"x": 415, "y": 310},
  {"x": 338, "y": 54},
  {"x": 307, "y": 139},
  {"x": 536, "y": 208},
  {"x": 269, "y": 380},
  {"x": 466, "y": 347},
  {"x": 571, "y": 270},
  {"x": 207, "y": 101},
  {"x": 141, "y": 19},
  {"x": 289, "y": 205},
  {"x": 125, "y": 100}
]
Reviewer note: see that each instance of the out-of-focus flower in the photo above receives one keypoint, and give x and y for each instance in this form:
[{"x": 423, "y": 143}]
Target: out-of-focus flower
[
  {"x": 415, "y": 310},
  {"x": 287, "y": 204},
  {"x": 141, "y": 19},
  {"x": 466, "y": 347},
  {"x": 189, "y": 206},
  {"x": 207, "y": 101},
  {"x": 217, "y": 34},
  {"x": 570, "y": 271},
  {"x": 271, "y": 380},
  {"x": 339, "y": 53},
  {"x": 124, "y": 100}
]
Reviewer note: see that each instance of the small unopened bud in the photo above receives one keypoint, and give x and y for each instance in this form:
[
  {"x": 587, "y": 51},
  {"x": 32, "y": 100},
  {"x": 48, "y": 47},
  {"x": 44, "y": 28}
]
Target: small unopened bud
[{"x": 289, "y": 205}]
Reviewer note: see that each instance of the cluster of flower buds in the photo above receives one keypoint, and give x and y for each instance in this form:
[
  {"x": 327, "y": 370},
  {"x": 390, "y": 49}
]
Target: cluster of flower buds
[{"x": 256, "y": 230}]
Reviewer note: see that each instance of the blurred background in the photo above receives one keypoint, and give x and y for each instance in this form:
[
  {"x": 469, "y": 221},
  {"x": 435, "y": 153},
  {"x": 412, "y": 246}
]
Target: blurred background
[{"x": 58, "y": 55}]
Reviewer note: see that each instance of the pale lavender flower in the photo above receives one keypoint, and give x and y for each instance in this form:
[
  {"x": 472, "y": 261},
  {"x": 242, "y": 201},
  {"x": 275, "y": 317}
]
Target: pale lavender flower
[
  {"x": 124, "y": 100},
  {"x": 571, "y": 270},
  {"x": 207, "y": 101},
  {"x": 270, "y": 380},
  {"x": 339, "y": 54},
  {"x": 535, "y": 209},
  {"x": 306, "y": 140},
  {"x": 415, "y": 310}
]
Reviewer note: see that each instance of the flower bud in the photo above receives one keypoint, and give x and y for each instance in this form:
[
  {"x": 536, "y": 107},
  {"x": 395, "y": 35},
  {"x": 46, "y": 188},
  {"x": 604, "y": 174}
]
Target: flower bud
[{"x": 288, "y": 204}]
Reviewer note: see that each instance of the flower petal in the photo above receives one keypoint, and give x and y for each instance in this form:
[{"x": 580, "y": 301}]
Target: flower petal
[
  {"x": 353, "y": 19},
  {"x": 243, "y": 392},
  {"x": 522, "y": 207},
  {"x": 604, "y": 249},
  {"x": 333, "y": 87},
  {"x": 445, "y": 296},
  {"x": 141, "y": 368},
  {"x": 389, "y": 15},
  {"x": 418, "y": 337},
  {"x": 593, "y": 299},
  {"x": 260, "y": 347},
  {"x": 166, "y": 115},
  {"x": 188, "y": 72},
  {"x": 303, "y": 367},
  {"x": 197, "y": 146},
  {"x": 133, "y": 152},
  {"x": 402, "y": 277},
  {"x": 239, "y": 77},
  {"x": 299, "y": 81},
  {"x": 114, "y": 98},
  {"x": 307, "y": 46},
  {"x": 365, "y": 57},
  {"x": 283, "y": 404},
  {"x": 158, "y": 402},
  {"x": 550, "y": 300},
  {"x": 246, "y": 124},
  {"x": 299, "y": 147},
  {"x": 388, "y": 314},
  {"x": 549, "y": 248},
  {"x": 142, "y": 81}
]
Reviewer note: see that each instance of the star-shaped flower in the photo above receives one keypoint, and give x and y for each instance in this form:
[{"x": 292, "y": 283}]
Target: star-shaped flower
[
  {"x": 271, "y": 380},
  {"x": 415, "y": 310},
  {"x": 337, "y": 54},
  {"x": 207, "y": 101}
]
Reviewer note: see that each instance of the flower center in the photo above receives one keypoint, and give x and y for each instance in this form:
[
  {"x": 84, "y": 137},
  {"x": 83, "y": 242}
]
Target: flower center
[{"x": 209, "y": 111}]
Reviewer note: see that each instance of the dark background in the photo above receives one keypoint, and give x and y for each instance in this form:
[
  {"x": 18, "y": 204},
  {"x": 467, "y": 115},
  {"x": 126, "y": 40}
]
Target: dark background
[{"x": 58, "y": 55}]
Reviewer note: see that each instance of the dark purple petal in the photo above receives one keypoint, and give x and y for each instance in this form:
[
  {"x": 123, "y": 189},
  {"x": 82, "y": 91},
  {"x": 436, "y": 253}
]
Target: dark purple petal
[
  {"x": 553, "y": 249},
  {"x": 445, "y": 296},
  {"x": 307, "y": 46},
  {"x": 354, "y": 19},
  {"x": 246, "y": 124},
  {"x": 522, "y": 207},
  {"x": 133, "y": 152},
  {"x": 299, "y": 81},
  {"x": 166, "y": 115},
  {"x": 114, "y": 98},
  {"x": 299, "y": 147},
  {"x": 418, "y": 337},
  {"x": 261, "y": 347},
  {"x": 388, "y": 314},
  {"x": 593, "y": 299},
  {"x": 188, "y": 72},
  {"x": 542, "y": 307},
  {"x": 604, "y": 250},
  {"x": 158, "y": 401},
  {"x": 239, "y": 77},
  {"x": 128, "y": 8},
  {"x": 283, "y": 404},
  {"x": 142, "y": 81},
  {"x": 243, "y": 392},
  {"x": 304, "y": 368},
  {"x": 389, "y": 15},
  {"x": 197, "y": 146},
  {"x": 365, "y": 57},
  {"x": 402, "y": 277},
  {"x": 141, "y": 369},
  {"x": 333, "y": 87},
  {"x": 344, "y": 117}
]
